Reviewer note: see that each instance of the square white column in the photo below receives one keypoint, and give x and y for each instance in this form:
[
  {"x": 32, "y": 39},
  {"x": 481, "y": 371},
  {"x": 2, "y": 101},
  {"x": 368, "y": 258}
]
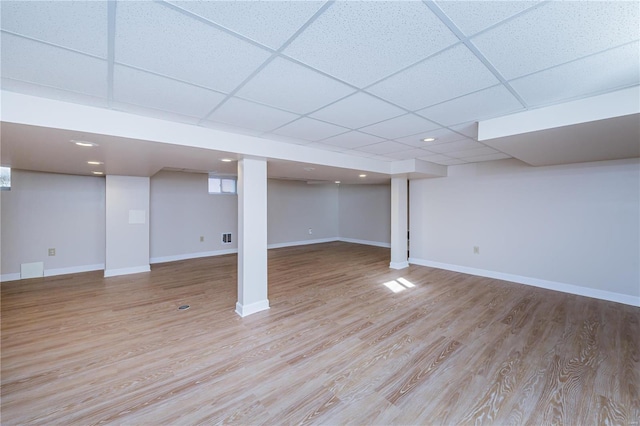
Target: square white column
[
  {"x": 399, "y": 222},
  {"x": 252, "y": 236}
]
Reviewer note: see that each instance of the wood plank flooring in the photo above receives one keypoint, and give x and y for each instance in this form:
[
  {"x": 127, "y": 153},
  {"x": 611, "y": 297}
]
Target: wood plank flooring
[{"x": 336, "y": 347}]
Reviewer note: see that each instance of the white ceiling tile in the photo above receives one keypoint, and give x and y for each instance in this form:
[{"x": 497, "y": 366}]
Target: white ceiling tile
[
  {"x": 25, "y": 60},
  {"x": 386, "y": 147},
  {"x": 490, "y": 157},
  {"x": 153, "y": 37},
  {"x": 409, "y": 154},
  {"x": 473, "y": 16},
  {"x": 487, "y": 103},
  {"x": 358, "y": 110},
  {"x": 241, "y": 113},
  {"x": 78, "y": 25},
  {"x": 141, "y": 88},
  {"x": 232, "y": 129},
  {"x": 438, "y": 159},
  {"x": 309, "y": 129},
  {"x": 447, "y": 75},
  {"x": 53, "y": 93},
  {"x": 452, "y": 162},
  {"x": 352, "y": 140},
  {"x": 362, "y": 42},
  {"x": 326, "y": 147},
  {"x": 382, "y": 158},
  {"x": 609, "y": 70},
  {"x": 475, "y": 152},
  {"x": 358, "y": 153},
  {"x": 558, "y": 32},
  {"x": 153, "y": 113},
  {"x": 293, "y": 87},
  {"x": 287, "y": 139},
  {"x": 468, "y": 129},
  {"x": 408, "y": 124},
  {"x": 442, "y": 135},
  {"x": 255, "y": 19},
  {"x": 457, "y": 146}
]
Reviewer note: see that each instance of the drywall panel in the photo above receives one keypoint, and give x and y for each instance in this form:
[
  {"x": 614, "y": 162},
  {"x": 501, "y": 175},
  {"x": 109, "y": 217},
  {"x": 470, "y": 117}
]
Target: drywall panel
[
  {"x": 575, "y": 225},
  {"x": 365, "y": 213},
  {"x": 45, "y": 211},
  {"x": 294, "y": 208},
  {"x": 186, "y": 221}
]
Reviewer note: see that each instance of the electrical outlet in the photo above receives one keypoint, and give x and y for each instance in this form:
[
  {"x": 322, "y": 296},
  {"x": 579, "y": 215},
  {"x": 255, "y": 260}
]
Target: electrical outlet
[
  {"x": 310, "y": 231},
  {"x": 52, "y": 252},
  {"x": 476, "y": 250},
  {"x": 201, "y": 238}
]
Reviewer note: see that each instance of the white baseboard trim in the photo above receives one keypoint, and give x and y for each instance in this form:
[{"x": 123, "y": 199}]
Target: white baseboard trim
[
  {"x": 126, "y": 271},
  {"x": 73, "y": 270},
  {"x": 365, "y": 242},
  {"x": 301, "y": 243},
  {"x": 535, "y": 282},
  {"x": 163, "y": 259},
  {"x": 398, "y": 265},
  {"x": 57, "y": 271},
  {"x": 251, "y": 308},
  {"x": 10, "y": 277}
]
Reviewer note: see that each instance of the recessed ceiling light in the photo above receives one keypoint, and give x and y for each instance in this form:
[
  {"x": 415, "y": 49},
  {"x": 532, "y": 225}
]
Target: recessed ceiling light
[
  {"x": 428, "y": 139},
  {"x": 98, "y": 173},
  {"x": 95, "y": 163},
  {"x": 309, "y": 169},
  {"x": 84, "y": 143},
  {"x": 363, "y": 175},
  {"x": 227, "y": 160},
  {"x": 337, "y": 181}
]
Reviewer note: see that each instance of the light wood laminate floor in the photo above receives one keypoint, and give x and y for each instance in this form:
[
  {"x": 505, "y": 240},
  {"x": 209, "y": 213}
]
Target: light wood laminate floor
[{"x": 336, "y": 347}]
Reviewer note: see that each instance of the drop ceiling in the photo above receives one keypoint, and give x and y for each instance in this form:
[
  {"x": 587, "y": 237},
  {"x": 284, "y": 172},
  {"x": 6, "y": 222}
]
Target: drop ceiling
[{"x": 366, "y": 79}]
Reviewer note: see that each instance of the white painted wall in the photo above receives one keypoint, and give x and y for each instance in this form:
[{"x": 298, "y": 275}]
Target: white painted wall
[
  {"x": 365, "y": 214},
  {"x": 44, "y": 210},
  {"x": 127, "y": 237},
  {"x": 182, "y": 211},
  {"x": 571, "y": 227},
  {"x": 294, "y": 207}
]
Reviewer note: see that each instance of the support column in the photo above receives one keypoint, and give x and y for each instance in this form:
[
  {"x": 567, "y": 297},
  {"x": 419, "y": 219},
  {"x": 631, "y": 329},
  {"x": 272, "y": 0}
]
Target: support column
[
  {"x": 399, "y": 222},
  {"x": 127, "y": 225},
  {"x": 252, "y": 236}
]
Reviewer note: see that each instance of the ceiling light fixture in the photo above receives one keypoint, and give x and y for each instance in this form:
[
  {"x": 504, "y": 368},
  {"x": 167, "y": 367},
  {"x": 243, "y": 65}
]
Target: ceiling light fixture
[
  {"x": 95, "y": 163},
  {"x": 337, "y": 181},
  {"x": 226, "y": 160},
  {"x": 98, "y": 173},
  {"x": 309, "y": 169},
  {"x": 428, "y": 139},
  {"x": 84, "y": 143},
  {"x": 363, "y": 175}
]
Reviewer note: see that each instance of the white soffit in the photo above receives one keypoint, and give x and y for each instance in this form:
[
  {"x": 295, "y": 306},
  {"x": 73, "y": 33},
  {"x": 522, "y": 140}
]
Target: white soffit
[
  {"x": 614, "y": 104},
  {"x": 600, "y": 128}
]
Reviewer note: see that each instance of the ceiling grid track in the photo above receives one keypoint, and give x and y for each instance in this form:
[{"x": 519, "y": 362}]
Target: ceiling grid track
[{"x": 465, "y": 40}]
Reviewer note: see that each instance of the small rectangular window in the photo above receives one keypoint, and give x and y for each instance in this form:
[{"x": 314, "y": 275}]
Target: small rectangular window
[
  {"x": 219, "y": 185},
  {"x": 5, "y": 178}
]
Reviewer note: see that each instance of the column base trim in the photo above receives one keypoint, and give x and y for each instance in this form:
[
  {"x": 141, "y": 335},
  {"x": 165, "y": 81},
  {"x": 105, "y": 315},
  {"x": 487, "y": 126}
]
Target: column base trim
[
  {"x": 399, "y": 265},
  {"x": 126, "y": 271},
  {"x": 252, "y": 308}
]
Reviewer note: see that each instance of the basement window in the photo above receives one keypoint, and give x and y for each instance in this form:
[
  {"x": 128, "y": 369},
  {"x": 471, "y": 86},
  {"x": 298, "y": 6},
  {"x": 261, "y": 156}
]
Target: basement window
[
  {"x": 220, "y": 185},
  {"x": 5, "y": 178}
]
